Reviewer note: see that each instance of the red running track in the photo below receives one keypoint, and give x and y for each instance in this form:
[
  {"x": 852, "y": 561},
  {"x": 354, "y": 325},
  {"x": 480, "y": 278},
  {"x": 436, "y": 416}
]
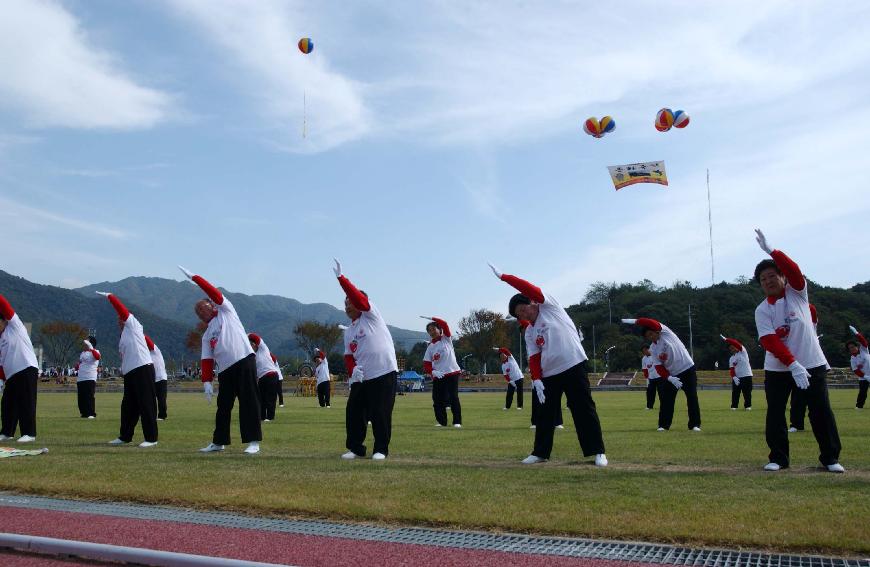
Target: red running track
[{"x": 264, "y": 546}]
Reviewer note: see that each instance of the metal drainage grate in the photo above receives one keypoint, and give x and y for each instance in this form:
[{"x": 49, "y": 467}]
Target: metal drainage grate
[{"x": 510, "y": 543}]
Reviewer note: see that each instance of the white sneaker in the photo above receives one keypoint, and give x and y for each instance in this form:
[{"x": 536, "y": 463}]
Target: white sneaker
[
  {"x": 836, "y": 468},
  {"x": 518, "y": 409},
  {"x": 146, "y": 444},
  {"x": 159, "y": 419},
  {"x": 281, "y": 405},
  {"x": 457, "y": 425},
  {"x": 661, "y": 429},
  {"x": 503, "y": 409},
  {"x": 211, "y": 448},
  {"x": 370, "y": 423},
  {"x": 600, "y": 460},
  {"x": 696, "y": 429},
  {"x": 749, "y": 408},
  {"x": 772, "y": 467},
  {"x": 117, "y": 442},
  {"x": 533, "y": 426},
  {"x": 792, "y": 429},
  {"x": 253, "y": 447},
  {"x": 533, "y": 460},
  {"x": 350, "y": 455},
  {"x": 5, "y": 437},
  {"x": 91, "y": 417},
  {"x": 26, "y": 439},
  {"x": 378, "y": 457},
  {"x": 328, "y": 406},
  {"x": 560, "y": 427},
  {"x": 733, "y": 409},
  {"x": 267, "y": 420},
  {"x": 647, "y": 409},
  {"x": 438, "y": 425}
]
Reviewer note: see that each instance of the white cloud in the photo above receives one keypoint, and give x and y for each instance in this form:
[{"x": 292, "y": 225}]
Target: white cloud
[
  {"x": 56, "y": 77},
  {"x": 23, "y": 218}
]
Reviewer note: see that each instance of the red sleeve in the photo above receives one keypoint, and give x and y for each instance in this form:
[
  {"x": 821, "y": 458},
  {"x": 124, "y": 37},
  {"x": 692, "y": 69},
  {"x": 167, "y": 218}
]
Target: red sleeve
[
  {"x": 274, "y": 358},
  {"x": 523, "y": 323},
  {"x": 645, "y": 373},
  {"x": 507, "y": 378},
  {"x": 531, "y": 291},
  {"x": 149, "y": 342},
  {"x": 662, "y": 371},
  {"x": 790, "y": 270},
  {"x": 442, "y": 324},
  {"x": 207, "y": 369},
  {"x": 254, "y": 338},
  {"x": 356, "y": 297},
  {"x": 349, "y": 363},
  {"x": 427, "y": 367},
  {"x": 2, "y": 374},
  {"x": 211, "y": 291},
  {"x": 814, "y": 315},
  {"x": 5, "y": 309},
  {"x": 733, "y": 373},
  {"x": 777, "y": 348},
  {"x": 861, "y": 339},
  {"x": 77, "y": 366},
  {"x": 735, "y": 343},
  {"x": 122, "y": 311},
  {"x": 535, "y": 366},
  {"x": 505, "y": 352},
  {"x": 649, "y": 324},
  {"x": 860, "y": 373},
  {"x": 96, "y": 354}
]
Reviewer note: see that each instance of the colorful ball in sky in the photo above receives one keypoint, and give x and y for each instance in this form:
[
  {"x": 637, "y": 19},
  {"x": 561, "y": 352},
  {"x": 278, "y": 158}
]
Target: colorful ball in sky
[
  {"x": 681, "y": 119},
  {"x": 592, "y": 127},
  {"x": 306, "y": 45},
  {"x": 664, "y": 120},
  {"x": 607, "y": 124}
]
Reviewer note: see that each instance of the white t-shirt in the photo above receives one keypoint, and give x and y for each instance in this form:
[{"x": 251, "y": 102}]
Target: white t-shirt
[
  {"x": 88, "y": 365},
  {"x": 159, "y": 364},
  {"x": 280, "y": 374},
  {"x": 511, "y": 370},
  {"x": 789, "y": 319},
  {"x": 671, "y": 353},
  {"x": 225, "y": 339},
  {"x": 16, "y": 348},
  {"x": 861, "y": 361},
  {"x": 442, "y": 355},
  {"x": 648, "y": 363},
  {"x": 321, "y": 372},
  {"x": 740, "y": 363},
  {"x": 369, "y": 341},
  {"x": 555, "y": 337},
  {"x": 265, "y": 364},
  {"x": 132, "y": 346}
]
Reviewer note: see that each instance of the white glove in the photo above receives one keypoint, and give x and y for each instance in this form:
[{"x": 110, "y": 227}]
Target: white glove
[
  {"x": 629, "y": 321},
  {"x": 538, "y": 387},
  {"x": 187, "y": 272},
  {"x": 675, "y": 381},
  {"x": 723, "y": 337},
  {"x": 495, "y": 271},
  {"x": 800, "y": 375},
  {"x": 104, "y": 293},
  {"x": 427, "y": 318},
  {"x": 736, "y": 381},
  {"x": 87, "y": 343},
  {"x": 2, "y": 384},
  {"x": 853, "y": 329},
  {"x": 357, "y": 375},
  {"x": 437, "y": 374},
  {"x": 762, "y": 241},
  {"x": 337, "y": 268},
  {"x": 342, "y": 327},
  {"x": 209, "y": 391}
]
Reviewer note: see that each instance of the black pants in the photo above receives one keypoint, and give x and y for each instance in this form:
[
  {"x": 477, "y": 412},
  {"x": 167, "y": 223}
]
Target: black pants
[
  {"x": 160, "y": 392},
  {"x": 439, "y": 400},
  {"x": 268, "y": 386},
  {"x": 139, "y": 402},
  {"x": 371, "y": 400},
  {"x": 744, "y": 388},
  {"x": 323, "y": 393},
  {"x": 280, "y": 392},
  {"x": 18, "y": 405},
  {"x": 452, "y": 395},
  {"x": 651, "y": 393},
  {"x": 536, "y": 409},
  {"x": 238, "y": 381},
  {"x": 862, "y": 393},
  {"x": 87, "y": 403},
  {"x": 668, "y": 396},
  {"x": 777, "y": 387},
  {"x": 798, "y": 410},
  {"x": 574, "y": 382},
  {"x": 509, "y": 397}
]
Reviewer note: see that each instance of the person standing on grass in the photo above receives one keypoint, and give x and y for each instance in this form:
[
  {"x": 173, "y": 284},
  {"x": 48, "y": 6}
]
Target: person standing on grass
[
  {"x": 225, "y": 342},
  {"x": 557, "y": 363},
  {"x": 139, "y": 400},
  {"x": 648, "y": 366},
  {"x": 321, "y": 372},
  {"x": 370, "y": 359},
  {"x": 513, "y": 376},
  {"x": 860, "y": 363},
  {"x": 440, "y": 363},
  {"x": 794, "y": 359},
  {"x": 267, "y": 377},
  {"x": 676, "y": 369},
  {"x": 160, "y": 377},
  {"x": 280, "y": 381},
  {"x": 741, "y": 374},
  {"x": 86, "y": 381},
  {"x": 19, "y": 371}
]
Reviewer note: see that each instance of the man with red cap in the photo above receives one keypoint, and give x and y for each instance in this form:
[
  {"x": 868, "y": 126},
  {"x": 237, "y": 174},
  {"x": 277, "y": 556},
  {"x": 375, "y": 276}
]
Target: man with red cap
[
  {"x": 139, "y": 400},
  {"x": 267, "y": 377},
  {"x": 440, "y": 363},
  {"x": 160, "y": 377},
  {"x": 741, "y": 374},
  {"x": 557, "y": 363},
  {"x": 513, "y": 376},
  {"x": 225, "y": 343},
  {"x": 321, "y": 373},
  {"x": 860, "y": 362},
  {"x": 18, "y": 374}
]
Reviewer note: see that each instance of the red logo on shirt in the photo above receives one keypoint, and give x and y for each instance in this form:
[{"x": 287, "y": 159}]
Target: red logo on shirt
[
  {"x": 212, "y": 343},
  {"x": 353, "y": 346},
  {"x": 663, "y": 356},
  {"x": 437, "y": 356},
  {"x": 783, "y": 331},
  {"x": 540, "y": 340}
]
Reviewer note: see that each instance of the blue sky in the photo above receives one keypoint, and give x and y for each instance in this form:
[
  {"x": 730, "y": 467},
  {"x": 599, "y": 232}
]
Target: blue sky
[{"x": 135, "y": 136}]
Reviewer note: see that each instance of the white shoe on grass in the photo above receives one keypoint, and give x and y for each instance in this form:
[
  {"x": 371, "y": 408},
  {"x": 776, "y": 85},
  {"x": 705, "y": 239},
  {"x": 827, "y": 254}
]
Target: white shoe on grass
[
  {"x": 438, "y": 425},
  {"x": 5, "y": 438},
  {"x": 772, "y": 467},
  {"x": 26, "y": 439},
  {"x": 267, "y": 420},
  {"x": 146, "y": 444},
  {"x": 281, "y": 405},
  {"x": 749, "y": 408},
  {"x": 733, "y": 409},
  {"x": 836, "y": 468},
  {"x": 601, "y": 460},
  {"x": 792, "y": 429},
  {"x": 378, "y": 457},
  {"x": 457, "y": 425},
  {"x": 211, "y": 448},
  {"x": 503, "y": 409},
  {"x": 350, "y": 455},
  {"x": 92, "y": 417},
  {"x": 518, "y": 409},
  {"x": 328, "y": 407},
  {"x": 533, "y": 426},
  {"x": 560, "y": 427},
  {"x": 533, "y": 460},
  {"x": 118, "y": 442},
  {"x": 253, "y": 447},
  {"x": 661, "y": 429},
  {"x": 696, "y": 429}
]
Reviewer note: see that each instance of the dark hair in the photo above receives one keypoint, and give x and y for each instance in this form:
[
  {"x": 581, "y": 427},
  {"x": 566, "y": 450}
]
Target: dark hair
[
  {"x": 431, "y": 324},
  {"x": 93, "y": 340},
  {"x": 518, "y": 299},
  {"x": 852, "y": 342},
  {"x": 644, "y": 347},
  {"x": 764, "y": 265}
]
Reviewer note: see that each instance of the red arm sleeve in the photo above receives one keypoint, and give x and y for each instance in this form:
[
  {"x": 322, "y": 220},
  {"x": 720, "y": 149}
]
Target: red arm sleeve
[
  {"x": 207, "y": 369},
  {"x": 505, "y": 352},
  {"x": 2, "y": 374},
  {"x": 96, "y": 354},
  {"x": 662, "y": 371},
  {"x": 122, "y": 311},
  {"x": 649, "y": 324},
  {"x": 531, "y": 291},
  {"x": 732, "y": 372},
  {"x": 535, "y": 366},
  {"x": 349, "y": 363},
  {"x": 211, "y": 291},
  {"x": 274, "y": 358},
  {"x": 860, "y": 373},
  {"x": 735, "y": 343},
  {"x": 790, "y": 270},
  {"x": 646, "y": 373},
  {"x": 5, "y": 309},
  {"x": 149, "y": 342},
  {"x": 777, "y": 348},
  {"x": 861, "y": 339},
  {"x": 427, "y": 367},
  {"x": 356, "y": 297},
  {"x": 254, "y": 338},
  {"x": 442, "y": 324}
]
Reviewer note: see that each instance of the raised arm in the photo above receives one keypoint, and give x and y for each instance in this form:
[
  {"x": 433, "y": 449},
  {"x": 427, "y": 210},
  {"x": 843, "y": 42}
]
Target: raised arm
[
  {"x": 786, "y": 265},
  {"x": 357, "y": 298},
  {"x": 858, "y": 336},
  {"x": 442, "y": 324},
  {"x": 150, "y": 343},
  {"x": 6, "y": 310},
  {"x": 735, "y": 343},
  {"x": 530, "y": 290},
  {"x": 211, "y": 291},
  {"x": 120, "y": 309}
]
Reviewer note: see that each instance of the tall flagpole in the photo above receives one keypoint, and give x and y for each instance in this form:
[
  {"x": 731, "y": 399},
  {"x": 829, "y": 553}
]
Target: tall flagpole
[{"x": 710, "y": 223}]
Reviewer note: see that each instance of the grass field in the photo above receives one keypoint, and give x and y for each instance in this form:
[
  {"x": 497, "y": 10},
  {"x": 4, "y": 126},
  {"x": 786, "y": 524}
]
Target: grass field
[{"x": 680, "y": 487}]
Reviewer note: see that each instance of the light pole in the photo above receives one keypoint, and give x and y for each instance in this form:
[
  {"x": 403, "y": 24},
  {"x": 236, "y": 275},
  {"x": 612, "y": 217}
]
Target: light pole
[
  {"x": 607, "y": 357},
  {"x": 594, "y": 356},
  {"x": 464, "y": 366},
  {"x": 691, "y": 343}
]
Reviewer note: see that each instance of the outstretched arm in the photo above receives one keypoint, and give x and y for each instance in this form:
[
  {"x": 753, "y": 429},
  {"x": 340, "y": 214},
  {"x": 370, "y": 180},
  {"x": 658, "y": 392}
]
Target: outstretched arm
[
  {"x": 211, "y": 291},
  {"x": 442, "y": 324},
  {"x": 120, "y": 309},
  {"x": 357, "y": 298}
]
